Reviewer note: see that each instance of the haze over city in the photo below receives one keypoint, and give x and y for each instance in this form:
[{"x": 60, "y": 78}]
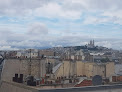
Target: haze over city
[{"x": 51, "y": 23}]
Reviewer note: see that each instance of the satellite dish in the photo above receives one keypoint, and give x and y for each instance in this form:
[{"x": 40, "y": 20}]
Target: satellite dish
[{"x": 97, "y": 80}]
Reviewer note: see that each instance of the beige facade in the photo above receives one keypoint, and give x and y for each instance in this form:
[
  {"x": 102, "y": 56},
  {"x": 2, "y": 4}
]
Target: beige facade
[
  {"x": 92, "y": 69},
  {"x": 80, "y": 68},
  {"x": 85, "y": 69},
  {"x": 66, "y": 69},
  {"x": 110, "y": 69},
  {"x": 19, "y": 66}
]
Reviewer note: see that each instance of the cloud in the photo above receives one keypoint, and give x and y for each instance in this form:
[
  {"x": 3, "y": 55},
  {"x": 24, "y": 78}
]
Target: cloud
[
  {"x": 46, "y": 23},
  {"x": 110, "y": 43},
  {"x": 37, "y": 29},
  {"x": 44, "y": 8},
  {"x": 39, "y": 35},
  {"x": 17, "y": 7},
  {"x": 115, "y": 15},
  {"x": 54, "y": 10},
  {"x": 104, "y": 44},
  {"x": 68, "y": 9},
  {"x": 96, "y": 20},
  {"x": 7, "y": 48},
  {"x": 13, "y": 41}
]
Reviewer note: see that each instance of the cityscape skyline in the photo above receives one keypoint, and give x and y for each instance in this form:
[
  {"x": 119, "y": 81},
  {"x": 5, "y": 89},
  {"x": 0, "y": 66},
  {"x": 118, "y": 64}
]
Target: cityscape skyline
[{"x": 50, "y": 23}]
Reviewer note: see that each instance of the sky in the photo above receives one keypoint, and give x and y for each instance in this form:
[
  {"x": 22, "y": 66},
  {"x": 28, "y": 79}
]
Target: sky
[{"x": 52, "y": 23}]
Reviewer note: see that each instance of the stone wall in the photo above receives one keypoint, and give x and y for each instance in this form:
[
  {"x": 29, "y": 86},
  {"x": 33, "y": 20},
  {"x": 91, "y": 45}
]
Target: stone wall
[{"x": 21, "y": 66}]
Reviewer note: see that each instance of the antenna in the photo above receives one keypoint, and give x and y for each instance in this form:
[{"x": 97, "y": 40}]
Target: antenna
[
  {"x": 30, "y": 64},
  {"x": 39, "y": 63}
]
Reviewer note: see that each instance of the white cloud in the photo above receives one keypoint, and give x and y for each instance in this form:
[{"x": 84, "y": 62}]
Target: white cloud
[
  {"x": 7, "y": 48},
  {"x": 115, "y": 15},
  {"x": 37, "y": 29},
  {"x": 104, "y": 44},
  {"x": 54, "y": 10},
  {"x": 39, "y": 35},
  {"x": 71, "y": 9},
  {"x": 15, "y": 41},
  {"x": 92, "y": 20},
  {"x": 19, "y": 7}
]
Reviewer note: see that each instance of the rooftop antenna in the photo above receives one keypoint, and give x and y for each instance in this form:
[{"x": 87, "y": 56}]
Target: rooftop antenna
[
  {"x": 30, "y": 64},
  {"x": 39, "y": 63}
]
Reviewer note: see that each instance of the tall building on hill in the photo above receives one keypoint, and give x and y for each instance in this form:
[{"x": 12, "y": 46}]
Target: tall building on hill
[{"x": 91, "y": 44}]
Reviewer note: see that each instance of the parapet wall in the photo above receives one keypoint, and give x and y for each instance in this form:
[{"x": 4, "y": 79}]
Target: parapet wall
[
  {"x": 16, "y": 87},
  {"x": 108, "y": 88}
]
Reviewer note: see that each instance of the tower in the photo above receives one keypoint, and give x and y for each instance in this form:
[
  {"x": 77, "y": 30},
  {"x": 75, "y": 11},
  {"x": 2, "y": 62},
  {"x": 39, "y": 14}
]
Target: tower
[
  {"x": 93, "y": 43},
  {"x": 90, "y": 42}
]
